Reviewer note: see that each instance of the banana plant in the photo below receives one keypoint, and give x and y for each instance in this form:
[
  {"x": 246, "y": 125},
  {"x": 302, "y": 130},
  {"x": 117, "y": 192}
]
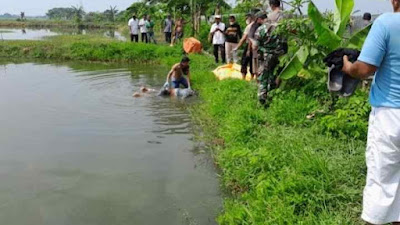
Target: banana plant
[{"x": 328, "y": 38}]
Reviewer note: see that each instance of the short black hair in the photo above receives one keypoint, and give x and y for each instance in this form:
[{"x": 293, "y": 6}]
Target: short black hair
[
  {"x": 367, "y": 16},
  {"x": 276, "y": 3},
  {"x": 185, "y": 59},
  {"x": 232, "y": 17},
  {"x": 164, "y": 92}
]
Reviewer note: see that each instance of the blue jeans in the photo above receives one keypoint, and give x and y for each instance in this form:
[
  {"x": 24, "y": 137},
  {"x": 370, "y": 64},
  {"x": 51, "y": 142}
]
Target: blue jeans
[{"x": 177, "y": 83}]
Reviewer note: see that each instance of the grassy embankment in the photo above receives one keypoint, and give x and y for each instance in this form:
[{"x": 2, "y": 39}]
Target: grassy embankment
[
  {"x": 277, "y": 167},
  {"x": 53, "y": 24}
]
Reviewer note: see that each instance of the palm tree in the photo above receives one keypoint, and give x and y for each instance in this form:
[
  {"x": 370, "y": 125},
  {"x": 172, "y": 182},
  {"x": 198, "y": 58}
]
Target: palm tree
[
  {"x": 111, "y": 13},
  {"x": 78, "y": 13}
]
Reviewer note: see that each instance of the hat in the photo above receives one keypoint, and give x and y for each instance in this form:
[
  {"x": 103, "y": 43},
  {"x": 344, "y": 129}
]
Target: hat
[
  {"x": 217, "y": 16},
  {"x": 262, "y": 15}
]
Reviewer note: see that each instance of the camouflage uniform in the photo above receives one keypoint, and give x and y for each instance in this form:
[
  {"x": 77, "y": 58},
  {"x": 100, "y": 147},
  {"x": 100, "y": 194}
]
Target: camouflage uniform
[{"x": 270, "y": 47}]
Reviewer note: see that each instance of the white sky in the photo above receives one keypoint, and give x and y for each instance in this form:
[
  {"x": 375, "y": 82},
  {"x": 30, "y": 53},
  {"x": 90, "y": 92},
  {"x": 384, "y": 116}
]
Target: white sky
[{"x": 40, "y": 7}]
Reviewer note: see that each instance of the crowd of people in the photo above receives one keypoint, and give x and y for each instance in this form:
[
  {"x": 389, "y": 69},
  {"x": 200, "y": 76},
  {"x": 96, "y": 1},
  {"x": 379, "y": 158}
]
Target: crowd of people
[
  {"x": 261, "y": 49},
  {"x": 144, "y": 28}
]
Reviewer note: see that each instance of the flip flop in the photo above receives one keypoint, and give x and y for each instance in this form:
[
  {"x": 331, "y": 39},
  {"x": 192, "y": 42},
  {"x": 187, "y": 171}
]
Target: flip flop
[
  {"x": 335, "y": 79},
  {"x": 349, "y": 85}
]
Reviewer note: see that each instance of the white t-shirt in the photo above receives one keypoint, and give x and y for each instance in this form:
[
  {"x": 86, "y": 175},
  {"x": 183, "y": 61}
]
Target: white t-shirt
[
  {"x": 219, "y": 37},
  {"x": 142, "y": 25},
  {"x": 134, "y": 24}
]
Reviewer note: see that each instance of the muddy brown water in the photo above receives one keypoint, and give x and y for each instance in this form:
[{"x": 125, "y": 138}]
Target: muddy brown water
[{"x": 77, "y": 148}]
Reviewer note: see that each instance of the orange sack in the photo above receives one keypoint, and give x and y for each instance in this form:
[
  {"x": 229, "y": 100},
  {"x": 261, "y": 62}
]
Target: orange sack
[{"x": 192, "y": 45}]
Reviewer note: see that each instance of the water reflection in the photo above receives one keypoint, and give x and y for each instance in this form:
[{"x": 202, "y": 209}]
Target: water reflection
[{"x": 38, "y": 34}]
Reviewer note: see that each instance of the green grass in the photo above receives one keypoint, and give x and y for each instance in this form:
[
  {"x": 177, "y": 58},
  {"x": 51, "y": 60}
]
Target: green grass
[
  {"x": 277, "y": 167},
  {"x": 87, "y": 48}
]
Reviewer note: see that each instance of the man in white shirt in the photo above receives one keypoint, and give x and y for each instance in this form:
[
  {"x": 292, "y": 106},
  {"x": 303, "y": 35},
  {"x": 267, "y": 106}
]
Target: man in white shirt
[
  {"x": 134, "y": 28},
  {"x": 143, "y": 28},
  {"x": 218, "y": 40}
]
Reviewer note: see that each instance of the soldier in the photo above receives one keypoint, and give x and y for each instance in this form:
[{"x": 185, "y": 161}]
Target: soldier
[{"x": 270, "y": 47}]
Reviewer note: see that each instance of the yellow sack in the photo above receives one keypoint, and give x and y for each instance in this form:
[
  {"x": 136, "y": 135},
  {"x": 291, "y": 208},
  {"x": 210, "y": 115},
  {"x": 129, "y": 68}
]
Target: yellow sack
[{"x": 230, "y": 71}]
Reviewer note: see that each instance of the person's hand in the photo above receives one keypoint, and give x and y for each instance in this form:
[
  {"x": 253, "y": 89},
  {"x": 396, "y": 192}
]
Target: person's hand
[
  {"x": 346, "y": 65},
  {"x": 235, "y": 49}
]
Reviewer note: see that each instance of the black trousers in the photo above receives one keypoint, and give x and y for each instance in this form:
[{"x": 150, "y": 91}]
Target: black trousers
[
  {"x": 144, "y": 38},
  {"x": 134, "y": 37},
  {"x": 168, "y": 36},
  {"x": 218, "y": 48}
]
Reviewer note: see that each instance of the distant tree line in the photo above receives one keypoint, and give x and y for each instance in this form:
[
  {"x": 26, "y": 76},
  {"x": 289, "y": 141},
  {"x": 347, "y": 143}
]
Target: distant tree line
[{"x": 78, "y": 14}]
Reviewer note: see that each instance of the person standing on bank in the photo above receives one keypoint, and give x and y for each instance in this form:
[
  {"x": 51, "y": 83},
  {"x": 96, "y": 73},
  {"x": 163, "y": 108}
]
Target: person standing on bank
[
  {"x": 218, "y": 38},
  {"x": 168, "y": 25},
  {"x": 143, "y": 29},
  {"x": 233, "y": 34},
  {"x": 134, "y": 28},
  {"x": 150, "y": 30},
  {"x": 381, "y": 55},
  {"x": 247, "y": 55}
]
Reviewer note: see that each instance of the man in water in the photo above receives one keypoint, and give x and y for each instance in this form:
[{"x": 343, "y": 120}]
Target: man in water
[
  {"x": 218, "y": 38},
  {"x": 176, "y": 75},
  {"x": 134, "y": 28},
  {"x": 176, "y": 92},
  {"x": 381, "y": 55}
]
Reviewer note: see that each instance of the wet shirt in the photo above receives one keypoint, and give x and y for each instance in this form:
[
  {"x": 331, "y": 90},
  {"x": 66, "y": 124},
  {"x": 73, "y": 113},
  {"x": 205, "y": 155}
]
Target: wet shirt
[
  {"x": 382, "y": 49},
  {"x": 218, "y": 37},
  {"x": 134, "y": 24},
  {"x": 233, "y": 33}
]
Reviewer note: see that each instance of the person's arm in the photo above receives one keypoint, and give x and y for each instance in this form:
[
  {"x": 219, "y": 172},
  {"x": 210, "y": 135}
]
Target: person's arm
[
  {"x": 188, "y": 79},
  {"x": 241, "y": 42},
  {"x": 171, "y": 72},
  {"x": 213, "y": 29},
  {"x": 358, "y": 69},
  {"x": 372, "y": 54}
]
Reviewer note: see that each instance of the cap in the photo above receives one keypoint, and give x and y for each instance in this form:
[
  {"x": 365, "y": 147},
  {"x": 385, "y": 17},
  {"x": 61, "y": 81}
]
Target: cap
[
  {"x": 262, "y": 16},
  {"x": 217, "y": 16}
]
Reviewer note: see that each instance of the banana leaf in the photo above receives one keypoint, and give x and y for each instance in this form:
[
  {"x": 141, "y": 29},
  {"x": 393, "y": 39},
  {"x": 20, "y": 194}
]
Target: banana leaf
[
  {"x": 342, "y": 15},
  {"x": 357, "y": 40},
  {"x": 295, "y": 64},
  {"x": 326, "y": 36}
]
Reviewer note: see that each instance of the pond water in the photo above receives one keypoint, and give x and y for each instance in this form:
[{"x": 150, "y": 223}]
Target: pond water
[
  {"x": 39, "y": 34},
  {"x": 77, "y": 148}
]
